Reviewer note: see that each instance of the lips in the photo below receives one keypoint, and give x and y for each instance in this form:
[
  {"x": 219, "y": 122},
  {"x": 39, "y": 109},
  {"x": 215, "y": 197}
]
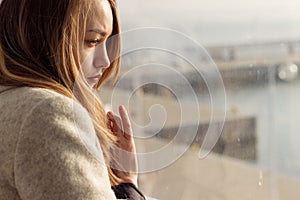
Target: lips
[{"x": 95, "y": 78}]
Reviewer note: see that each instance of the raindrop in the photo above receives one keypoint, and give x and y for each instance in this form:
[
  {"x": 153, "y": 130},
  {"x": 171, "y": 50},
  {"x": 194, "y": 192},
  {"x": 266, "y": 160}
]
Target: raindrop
[
  {"x": 260, "y": 179},
  {"x": 288, "y": 72}
]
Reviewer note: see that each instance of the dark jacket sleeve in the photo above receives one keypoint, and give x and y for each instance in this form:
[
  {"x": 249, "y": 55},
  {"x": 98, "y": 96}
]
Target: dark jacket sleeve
[{"x": 128, "y": 191}]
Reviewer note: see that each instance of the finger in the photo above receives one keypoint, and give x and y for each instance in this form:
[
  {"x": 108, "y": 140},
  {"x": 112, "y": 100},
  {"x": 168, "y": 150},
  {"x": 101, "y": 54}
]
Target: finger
[
  {"x": 108, "y": 121},
  {"x": 115, "y": 123},
  {"x": 111, "y": 117},
  {"x": 125, "y": 122}
]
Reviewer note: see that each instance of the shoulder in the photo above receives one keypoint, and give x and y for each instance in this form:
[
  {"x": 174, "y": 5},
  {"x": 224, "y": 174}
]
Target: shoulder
[
  {"x": 41, "y": 106},
  {"x": 24, "y": 99},
  {"x": 37, "y": 114},
  {"x": 58, "y": 137},
  {"x": 52, "y": 104},
  {"x": 41, "y": 103},
  {"x": 44, "y": 97},
  {"x": 21, "y": 104},
  {"x": 61, "y": 116}
]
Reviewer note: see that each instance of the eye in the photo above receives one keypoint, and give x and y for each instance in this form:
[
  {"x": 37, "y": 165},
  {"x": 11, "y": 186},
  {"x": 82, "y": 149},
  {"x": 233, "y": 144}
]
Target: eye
[{"x": 92, "y": 43}]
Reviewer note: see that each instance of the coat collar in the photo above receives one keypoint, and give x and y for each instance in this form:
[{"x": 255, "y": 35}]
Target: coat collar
[{"x": 5, "y": 88}]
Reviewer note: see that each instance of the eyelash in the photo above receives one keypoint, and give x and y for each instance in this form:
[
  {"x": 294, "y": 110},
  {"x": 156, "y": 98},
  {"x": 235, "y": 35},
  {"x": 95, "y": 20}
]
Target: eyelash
[{"x": 93, "y": 43}]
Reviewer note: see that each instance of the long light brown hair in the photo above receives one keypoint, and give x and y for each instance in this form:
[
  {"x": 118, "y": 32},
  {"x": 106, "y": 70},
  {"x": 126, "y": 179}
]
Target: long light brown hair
[{"x": 39, "y": 47}]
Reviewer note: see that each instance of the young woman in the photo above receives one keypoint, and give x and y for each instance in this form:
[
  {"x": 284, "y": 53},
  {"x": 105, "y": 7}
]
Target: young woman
[{"x": 56, "y": 141}]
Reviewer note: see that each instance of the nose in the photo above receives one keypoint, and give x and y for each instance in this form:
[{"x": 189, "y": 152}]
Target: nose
[{"x": 101, "y": 59}]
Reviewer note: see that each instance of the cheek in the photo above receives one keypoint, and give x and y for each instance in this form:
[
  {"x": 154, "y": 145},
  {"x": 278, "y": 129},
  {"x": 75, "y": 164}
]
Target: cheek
[{"x": 86, "y": 62}]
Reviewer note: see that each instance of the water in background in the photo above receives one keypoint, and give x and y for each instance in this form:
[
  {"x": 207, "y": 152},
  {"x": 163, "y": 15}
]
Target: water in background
[{"x": 277, "y": 111}]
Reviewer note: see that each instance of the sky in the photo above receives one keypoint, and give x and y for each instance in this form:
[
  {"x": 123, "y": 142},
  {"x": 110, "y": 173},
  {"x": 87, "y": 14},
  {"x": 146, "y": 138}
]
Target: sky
[
  {"x": 214, "y": 9},
  {"x": 215, "y": 22}
]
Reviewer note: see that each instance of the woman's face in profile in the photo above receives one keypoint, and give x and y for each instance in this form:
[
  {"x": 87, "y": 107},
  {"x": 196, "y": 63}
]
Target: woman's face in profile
[{"x": 93, "y": 52}]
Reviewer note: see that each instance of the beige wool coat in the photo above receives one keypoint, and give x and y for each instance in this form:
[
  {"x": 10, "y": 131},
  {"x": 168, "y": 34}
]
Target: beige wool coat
[{"x": 48, "y": 148}]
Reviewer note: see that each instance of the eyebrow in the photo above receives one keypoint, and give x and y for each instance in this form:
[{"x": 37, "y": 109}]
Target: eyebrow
[{"x": 102, "y": 33}]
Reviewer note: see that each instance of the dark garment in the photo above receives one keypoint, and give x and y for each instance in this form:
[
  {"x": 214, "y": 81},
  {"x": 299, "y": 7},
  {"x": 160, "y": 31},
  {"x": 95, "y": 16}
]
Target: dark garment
[{"x": 128, "y": 191}]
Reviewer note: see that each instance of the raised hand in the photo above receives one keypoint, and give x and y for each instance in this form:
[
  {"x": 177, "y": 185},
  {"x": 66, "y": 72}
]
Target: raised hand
[{"x": 124, "y": 153}]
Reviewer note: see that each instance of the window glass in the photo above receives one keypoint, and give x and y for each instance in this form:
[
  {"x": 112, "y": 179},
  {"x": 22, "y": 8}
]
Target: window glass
[{"x": 212, "y": 90}]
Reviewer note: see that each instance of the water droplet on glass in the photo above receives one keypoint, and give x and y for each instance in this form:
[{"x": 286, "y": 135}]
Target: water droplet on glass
[
  {"x": 288, "y": 72},
  {"x": 260, "y": 178}
]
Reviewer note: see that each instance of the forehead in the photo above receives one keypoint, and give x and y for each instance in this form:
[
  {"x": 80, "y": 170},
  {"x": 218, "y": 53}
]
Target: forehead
[{"x": 100, "y": 16}]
